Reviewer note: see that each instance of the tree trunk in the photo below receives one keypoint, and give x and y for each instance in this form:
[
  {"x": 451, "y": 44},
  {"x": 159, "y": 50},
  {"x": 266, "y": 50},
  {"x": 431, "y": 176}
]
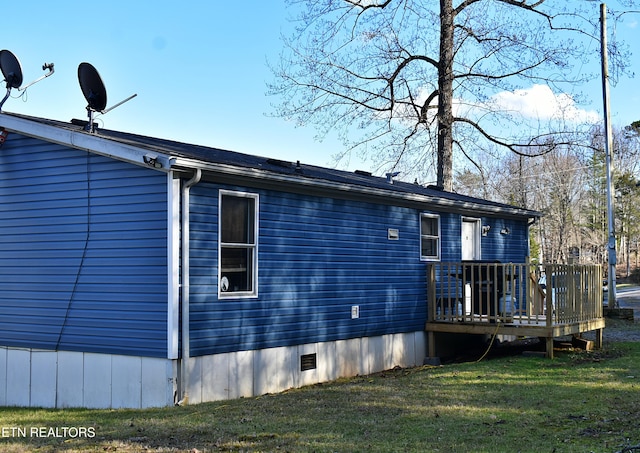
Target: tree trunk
[{"x": 445, "y": 97}]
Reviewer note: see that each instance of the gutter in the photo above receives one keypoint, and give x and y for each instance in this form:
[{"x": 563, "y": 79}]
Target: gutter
[
  {"x": 231, "y": 174},
  {"x": 185, "y": 273}
]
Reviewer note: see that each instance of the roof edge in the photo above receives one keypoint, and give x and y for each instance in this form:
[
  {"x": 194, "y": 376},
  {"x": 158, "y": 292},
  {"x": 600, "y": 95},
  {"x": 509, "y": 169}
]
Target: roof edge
[
  {"x": 232, "y": 173},
  {"x": 85, "y": 141},
  {"x": 165, "y": 160}
]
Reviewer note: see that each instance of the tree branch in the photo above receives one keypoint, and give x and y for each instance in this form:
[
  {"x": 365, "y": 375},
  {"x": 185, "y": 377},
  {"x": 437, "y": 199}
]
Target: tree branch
[
  {"x": 426, "y": 106},
  {"x": 469, "y": 158},
  {"x": 358, "y": 3},
  {"x": 534, "y": 142},
  {"x": 501, "y": 76}
]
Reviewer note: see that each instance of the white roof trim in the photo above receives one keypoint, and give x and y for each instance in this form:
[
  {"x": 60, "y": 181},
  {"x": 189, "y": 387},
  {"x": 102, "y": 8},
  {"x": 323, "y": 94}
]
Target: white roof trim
[{"x": 84, "y": 141}]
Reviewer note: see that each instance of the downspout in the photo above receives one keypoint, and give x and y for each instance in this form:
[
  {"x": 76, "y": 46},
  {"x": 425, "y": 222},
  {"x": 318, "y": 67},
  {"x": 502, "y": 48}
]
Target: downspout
[{"x": 185, "y": 286}]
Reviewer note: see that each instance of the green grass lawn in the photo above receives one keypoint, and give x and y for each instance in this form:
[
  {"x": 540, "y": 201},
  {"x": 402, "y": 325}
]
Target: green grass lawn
[{"x": 578, "y": 402}]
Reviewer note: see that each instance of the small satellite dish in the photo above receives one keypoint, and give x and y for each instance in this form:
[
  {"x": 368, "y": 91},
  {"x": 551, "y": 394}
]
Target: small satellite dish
[
  {"x": 92, "y": 87},
  {"x": 12, "y": 73},
  {"x": 11, "y": 69},
  {"x": 94, "y": 92}
]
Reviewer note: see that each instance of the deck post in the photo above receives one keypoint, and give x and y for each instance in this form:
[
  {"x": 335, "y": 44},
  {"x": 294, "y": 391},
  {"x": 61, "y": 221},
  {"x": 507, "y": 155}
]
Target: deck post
[
  {"x": 431, "y": 308},
  {"x": 548, "y": 301},
  {"x": 550, "y": 347},
  {"x": 431, "y": 292},
  {"x": 598, "y": 341},
  {"x": 431, "y": 338}
]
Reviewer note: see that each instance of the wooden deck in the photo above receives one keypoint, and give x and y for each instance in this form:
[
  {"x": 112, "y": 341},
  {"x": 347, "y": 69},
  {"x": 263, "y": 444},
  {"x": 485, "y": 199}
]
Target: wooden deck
[{"x": 507, "y": 299}]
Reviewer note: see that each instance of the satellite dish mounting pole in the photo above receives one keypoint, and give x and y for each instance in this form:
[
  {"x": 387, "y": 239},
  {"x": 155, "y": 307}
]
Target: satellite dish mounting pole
[
  {"x": 6, "y": 96},
  {"x": 89, "y": 127}
]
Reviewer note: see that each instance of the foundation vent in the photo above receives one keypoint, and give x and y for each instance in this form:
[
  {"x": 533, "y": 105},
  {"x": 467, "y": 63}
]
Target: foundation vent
[{"x": 308, "y": 362}]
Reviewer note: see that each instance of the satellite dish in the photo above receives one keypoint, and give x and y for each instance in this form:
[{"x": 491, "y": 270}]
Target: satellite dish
[
  {"x": 92, "y": 87},
  {"x": 11, "y": 69},
  {"x": 12, "y": 73},
  {"x": 94, "y": 92}
]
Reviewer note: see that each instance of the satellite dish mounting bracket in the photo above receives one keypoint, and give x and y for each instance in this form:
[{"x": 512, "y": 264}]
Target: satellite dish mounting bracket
[{"x": 45, "y": 66}]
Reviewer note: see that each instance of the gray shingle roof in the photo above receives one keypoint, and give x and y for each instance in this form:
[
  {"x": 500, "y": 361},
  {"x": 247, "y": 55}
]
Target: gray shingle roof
[{"x": 297, "y": 171}]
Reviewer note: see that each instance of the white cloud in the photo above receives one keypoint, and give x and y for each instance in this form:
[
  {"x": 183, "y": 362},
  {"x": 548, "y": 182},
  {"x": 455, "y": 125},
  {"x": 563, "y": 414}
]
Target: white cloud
[
  {"x": 536, "y": 104},
  {"x": 539, "y": 102}
]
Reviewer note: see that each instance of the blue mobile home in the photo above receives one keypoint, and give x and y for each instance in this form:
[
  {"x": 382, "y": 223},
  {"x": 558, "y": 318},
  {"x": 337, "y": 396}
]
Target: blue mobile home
[{"x": 138, "y": 272}]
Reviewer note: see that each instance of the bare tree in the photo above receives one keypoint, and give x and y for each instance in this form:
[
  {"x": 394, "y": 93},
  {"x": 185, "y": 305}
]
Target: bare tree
[
  {"x": 561, "y": 197},
  {"x": 402, "y": 81}
]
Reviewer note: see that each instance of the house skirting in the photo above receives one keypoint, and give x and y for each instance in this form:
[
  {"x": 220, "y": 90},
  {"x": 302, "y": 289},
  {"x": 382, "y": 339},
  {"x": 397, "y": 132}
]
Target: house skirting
[
  {"x": 60, "y": 379},
  {"x": 254, "y": 373}
]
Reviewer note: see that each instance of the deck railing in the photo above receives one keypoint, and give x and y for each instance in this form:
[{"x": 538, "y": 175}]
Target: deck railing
[{"x": 474, "y": 291}]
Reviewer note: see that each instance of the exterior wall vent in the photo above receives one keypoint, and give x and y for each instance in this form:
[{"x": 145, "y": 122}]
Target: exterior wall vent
[{"x": 308, "y": 362}]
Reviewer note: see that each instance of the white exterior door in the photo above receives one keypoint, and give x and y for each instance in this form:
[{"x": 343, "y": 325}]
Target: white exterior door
[
  {"x": 470, "y": 251},
  {"x": 470, "y": 239}
]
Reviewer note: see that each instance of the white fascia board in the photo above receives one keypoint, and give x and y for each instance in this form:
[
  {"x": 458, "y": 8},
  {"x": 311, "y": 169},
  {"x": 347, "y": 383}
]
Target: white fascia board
[
  {"x": 83, "y": 141},
  {"x": 373, "y": 193}
]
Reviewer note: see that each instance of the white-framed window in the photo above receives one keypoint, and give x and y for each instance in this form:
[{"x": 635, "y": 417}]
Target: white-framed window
[
  {"x": 237, "y": 244},
  {"x": 429, "y": 237}
]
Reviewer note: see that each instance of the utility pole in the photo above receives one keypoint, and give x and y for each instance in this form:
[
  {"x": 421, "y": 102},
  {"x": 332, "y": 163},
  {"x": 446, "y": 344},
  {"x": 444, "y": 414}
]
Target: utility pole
[{"x": 608, "y": 147}]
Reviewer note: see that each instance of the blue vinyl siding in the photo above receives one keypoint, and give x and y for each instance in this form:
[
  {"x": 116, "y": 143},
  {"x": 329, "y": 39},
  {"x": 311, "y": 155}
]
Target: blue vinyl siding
[
  {"x": 317, "y": 257},
  {"x": 451, "y": 241},
  {"x": 83, "y": 251},
  {"x": 511, "y": 248},
  {"x": 507, "y": 248}
]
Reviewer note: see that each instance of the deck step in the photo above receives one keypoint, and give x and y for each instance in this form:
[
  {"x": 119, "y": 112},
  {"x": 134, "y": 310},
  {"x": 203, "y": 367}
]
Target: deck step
[{"x": 581, "y": 343}]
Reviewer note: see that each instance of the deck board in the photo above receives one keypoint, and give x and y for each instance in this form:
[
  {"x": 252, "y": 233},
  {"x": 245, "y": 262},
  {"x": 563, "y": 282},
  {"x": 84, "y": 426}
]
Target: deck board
[{"x": 514, "y": 327}]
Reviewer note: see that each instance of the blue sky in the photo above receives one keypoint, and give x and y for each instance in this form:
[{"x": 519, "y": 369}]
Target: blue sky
[{"x": 198, "y": 67}]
